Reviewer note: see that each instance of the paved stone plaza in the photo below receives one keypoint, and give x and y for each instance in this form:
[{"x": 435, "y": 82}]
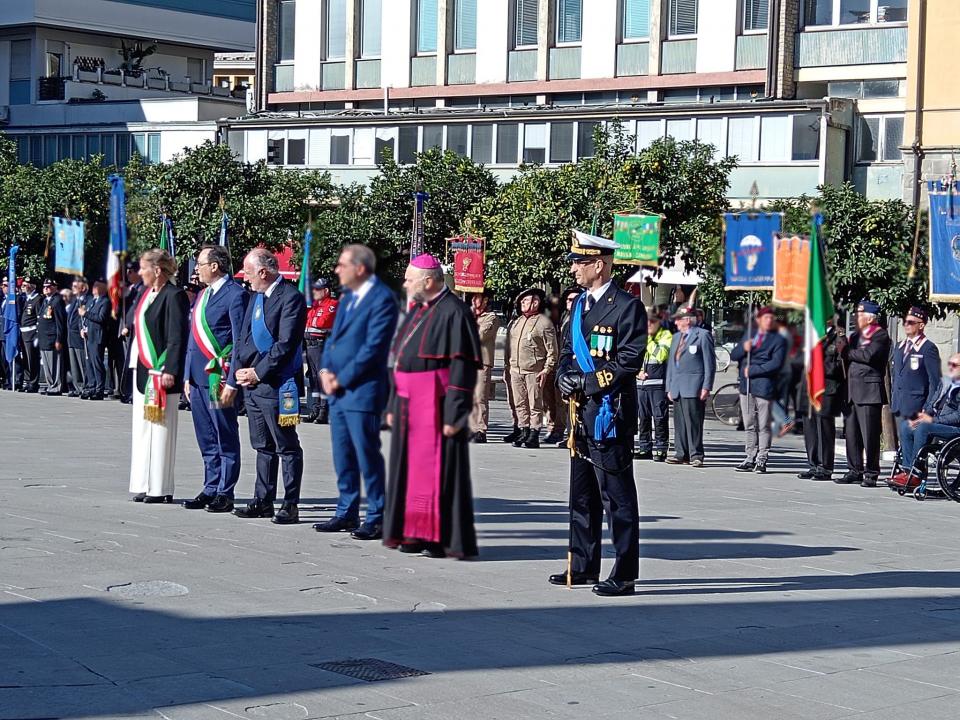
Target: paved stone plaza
[{"x": 762, "y": 597}]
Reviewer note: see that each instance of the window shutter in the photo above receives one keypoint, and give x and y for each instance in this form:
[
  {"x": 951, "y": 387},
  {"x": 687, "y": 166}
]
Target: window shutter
[
  {"x": 427, "y": 26},
  {"x": 683, "y": 17},
  {"x": 755, "y": 14},
  {"x": 528, "y": 17},
  {"x": 336, "y": 29},
  {"x": 569, "y": 19},
  {"x": 636, "y": 19},
  {"x": 370, "y": 41},
  {"x": 466, "y": 34}
]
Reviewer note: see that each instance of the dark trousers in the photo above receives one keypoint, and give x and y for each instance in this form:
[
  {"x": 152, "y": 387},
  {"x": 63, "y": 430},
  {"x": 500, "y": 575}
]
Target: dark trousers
[
  {"x": 126, "y": 376},
  {"x": 317, "y": 402},
  {"x": 275, "y": 446},
  {"x": 218, "y": 436},
  {"x": 115, "y": 356},
  {"x": 31, "y": 364},
  {"x": 96, "y": 370},
  {"x": 862, "y": 427},
  {"x": 688, "y": 428},
  {"x": 820, "y": 436},
  {"x": 355, "y": 437},
  {"x": 78, "y": 369},
  {"x": 655, "y": 410},
  {"x": 608, "y": 486}
]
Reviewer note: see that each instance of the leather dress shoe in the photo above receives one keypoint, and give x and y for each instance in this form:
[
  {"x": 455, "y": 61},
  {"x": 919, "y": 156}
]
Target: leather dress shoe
[
  {"x": 660, "y": 457},
  {"x": 411, "y": 548},
  {"x": 515, "y": 435},
  {"x": 199, "y": 502},
  {"x": 848, "y": 479},
  {"x": 337, "y": 524},
  {"x": 479, "y": 438},
  {"x": 289, "y": 514},
  {"x": 553, "y": 438},
  {"x": 158, "y": 499},
  {"x": 256, "y": 509},
  {"x": 868, "y": 481},
  {"x": 614, "y": 588},
  {"x": 433, "y": 550},
  {"x": 576, "y": 579},
  {"x": 220, "y": 504},
  {"x": 139, "y": 497},
  {"x": 368, "y": 532},
  {"x": 73, "y": 394},
  {"x": 95, "y": 396},
  {"x": 807, "y": 475}
]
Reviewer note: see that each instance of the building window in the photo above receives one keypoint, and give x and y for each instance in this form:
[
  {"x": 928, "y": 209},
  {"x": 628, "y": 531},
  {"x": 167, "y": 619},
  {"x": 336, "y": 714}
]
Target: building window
[
  {"x": 465, "y": 25},
  {"x": 648, "y": 131},
  {"x": 775, "y": 134},
  {"x": 526, "y": 22},
  {"x": 481, "y": 149},
  {"x": 867, "y": 88},
  {"x": 286, "y": 22},
  {"x": 340, "y": 147},
  {"x": 426, "y": 26},
  {"x": 569, "y": 21},
  {"x": 457, "y": 139},
  {"x": 407, "y": 141},
  {"x": 636, "y": 19},
  {"x": 680, "y": 130},
  {"x": 755, "y": 14},
  {"x": 336, "y": 29},
  {"x": 683, "y": 17},
  {"x": 585, "y": 146},
  {"x": 853, "y": 12},
  {"x": 297, "y": 151},
  {"x": 20, "y": 72},
  {"x": 561, "y": 142},
  {"x": 710, "y": 132},
  {"x": 432, "y": 137},
  {"x": 153, "y": 148},
  {"x": 742, "y": 139},
  {"x": 370, "y": 25},
  {"x": 535, "y": 143},
  {"x": 384, "y": 141},
  {"x": 508, "y": 135},
  {"x": 806, "y": 136},
  {"x": 879, "y": 139}
]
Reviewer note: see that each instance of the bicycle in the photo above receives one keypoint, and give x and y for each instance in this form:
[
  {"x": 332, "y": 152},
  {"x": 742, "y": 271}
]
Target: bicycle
[
  {"x": 725, "y": 403},
  {"x": 722, "y": 353}
]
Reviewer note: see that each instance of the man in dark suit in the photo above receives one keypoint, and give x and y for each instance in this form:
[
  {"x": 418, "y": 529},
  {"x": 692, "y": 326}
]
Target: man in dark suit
[
  {"x": 691, "y": 368},
  {"x": 268, "y": 361},
  {"x": 865, "y": 356},
  {"x": 52, "y": 337},
  {"x": 820, "y": 426},
  {"x": 96, "y": 317},
  {"x": 603, "y": 350},
  {"x": 353, "y": 375},
  {"x": 76, "y": 345},
  {"x": 30, "y": 342},
  {"x": 761, "y": 358},
  {"x": 131, "y": 296},
  {"x": 210, "y": 385}
]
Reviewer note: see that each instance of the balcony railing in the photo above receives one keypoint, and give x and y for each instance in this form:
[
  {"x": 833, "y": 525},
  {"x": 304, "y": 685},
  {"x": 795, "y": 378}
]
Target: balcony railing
[{"x": 51, "y": 88}]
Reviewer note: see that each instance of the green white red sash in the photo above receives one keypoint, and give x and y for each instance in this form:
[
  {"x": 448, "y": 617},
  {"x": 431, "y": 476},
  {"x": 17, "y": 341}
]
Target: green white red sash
[
  {"x": 218, "y": 359},
  {"x": 154, "y": 394}
]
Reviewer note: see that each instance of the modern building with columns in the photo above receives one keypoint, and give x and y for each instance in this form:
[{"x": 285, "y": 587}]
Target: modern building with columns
[{"x": 803, "y": 92}]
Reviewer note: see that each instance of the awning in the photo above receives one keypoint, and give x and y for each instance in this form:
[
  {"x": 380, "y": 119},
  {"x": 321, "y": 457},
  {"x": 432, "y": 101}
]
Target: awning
[{"x": 283, "y": 260}]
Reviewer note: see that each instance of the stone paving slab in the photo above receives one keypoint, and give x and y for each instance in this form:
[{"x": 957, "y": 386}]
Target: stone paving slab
[{"x": 761, "y": 597}]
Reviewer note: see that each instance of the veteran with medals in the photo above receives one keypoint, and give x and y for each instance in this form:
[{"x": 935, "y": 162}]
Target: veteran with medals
[
  {"x": 603, "y": 350},
  {"x": 158, "y": 353},
  {"x": 210, "y": 385},
  {"x": 268, "y": 358}
]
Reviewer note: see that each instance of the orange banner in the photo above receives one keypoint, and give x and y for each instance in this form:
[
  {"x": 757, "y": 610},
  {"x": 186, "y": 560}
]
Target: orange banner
[{"x": 791, "y": 263}]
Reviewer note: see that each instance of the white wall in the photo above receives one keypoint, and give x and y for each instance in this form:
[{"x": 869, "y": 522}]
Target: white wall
[
  {"x": 395, "y": 43},
  {"x": 717, "y": 36},
  {"x": 308, "y": 41},
  {"x": 173, "y": 142},
  {"x": 598, "y": 56},
  {"x": 493, "y": 37}
]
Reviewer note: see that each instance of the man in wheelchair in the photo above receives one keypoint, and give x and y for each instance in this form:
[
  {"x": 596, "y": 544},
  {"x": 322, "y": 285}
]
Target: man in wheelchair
[{"x": 943, "y": 424}]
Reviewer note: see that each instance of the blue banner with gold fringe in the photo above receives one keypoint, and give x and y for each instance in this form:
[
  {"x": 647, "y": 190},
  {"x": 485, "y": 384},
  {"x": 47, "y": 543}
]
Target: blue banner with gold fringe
[{"x": 944, "y": 240}]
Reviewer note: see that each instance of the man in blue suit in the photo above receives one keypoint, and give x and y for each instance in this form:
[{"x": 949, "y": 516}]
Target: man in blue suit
[
  {"x": 209, "y": 383},
  {"x": 354, "y": 377},
  {"x": 916, "y": 372},
  {"x": 761, "y": 360},
  {"x": 96, "y": 318}
]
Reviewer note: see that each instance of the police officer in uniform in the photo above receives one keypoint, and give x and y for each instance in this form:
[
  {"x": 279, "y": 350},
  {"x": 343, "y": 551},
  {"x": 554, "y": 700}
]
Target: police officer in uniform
[
  {"x": 865, "y": 356},
  {"x": 320, "y": 319},
  {"x": 52, "y": 337},
  {"x": 28, "y": 335},
  {"x": 603, "y": 350}
]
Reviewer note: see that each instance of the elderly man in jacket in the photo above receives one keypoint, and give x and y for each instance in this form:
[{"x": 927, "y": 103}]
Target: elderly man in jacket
[
  {"x": 691, "y": 367},
  {"x": 943, "y": 422},
  {"x": 761, "y": 358}
]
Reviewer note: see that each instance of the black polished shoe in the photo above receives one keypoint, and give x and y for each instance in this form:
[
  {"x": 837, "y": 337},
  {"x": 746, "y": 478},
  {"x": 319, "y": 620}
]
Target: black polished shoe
[
  {"x": 760, "y": 467},
  {"x": 255, "y": 509},
  {"x": 614, "y": 588},
  {"x": 868, "y": 481},
  {"x": 73, "y": 394},
  {"x": 368, "y": 532},
  {"x": 745, "y": 466},
  {"x": 289, "y": 514},
  {"x": 848, "y": 479},
  {"x": 660, "y": 457},
  {"x": 84, "y": 395},
  {"x": 576, "y": 579},
  {"x": 553, "y": 438},
  {"x": 515, "y": 435},
  {"x": 322, "y": 419},
  {"x": 199, "y": 502},
  {"x": 524, "y": 436},
  {"x": 533, "y": 440},
  {"x": 433, "y": 550},
  {"x": 158, "y": 499},
  {"x": 642, "y": 455},
  {"x": 139, "y": 497},
  {"x": 337, "y": 524},
  {"x": 807, "y": 475},
  {"x": 96, "y": 396},
  {"x": 823, "y": 477},
  {"x": 411, "y": 548},
  {"x": 220, "y": 504},
  {"x": 479, "y": 438}
]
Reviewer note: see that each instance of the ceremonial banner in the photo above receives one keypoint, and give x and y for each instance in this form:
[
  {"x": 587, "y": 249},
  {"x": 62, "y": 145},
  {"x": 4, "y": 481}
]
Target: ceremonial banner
[
  {"x": 68, "y": 238},
  {"x": 638, "y": 239},
  {"x": 819, "y": 311},
  {"x": 791, "y": 268},
  {"x": 468, "y": 263},
  {"x": 748, "y": 250},
  {"x": 11, "y": 320},
  {"x": 304, "y": 285},
  {"x": 118, "y": 242},
  {"x": 944, "y": 240},
  {"x": 416, "y": 241}
]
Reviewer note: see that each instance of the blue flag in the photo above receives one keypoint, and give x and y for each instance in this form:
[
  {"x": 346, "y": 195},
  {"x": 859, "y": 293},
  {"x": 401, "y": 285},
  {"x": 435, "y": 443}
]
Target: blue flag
[
  {"x": 11, "y": 321},
  {"x": 748, "y": 251},
  {"x": 944, "y": 240},
  {"x": 224, "y": 240},
  {"x": 68, "y": 238},
  {"x": 304, "y": 285},
  {"x": 118, "y": 215}
]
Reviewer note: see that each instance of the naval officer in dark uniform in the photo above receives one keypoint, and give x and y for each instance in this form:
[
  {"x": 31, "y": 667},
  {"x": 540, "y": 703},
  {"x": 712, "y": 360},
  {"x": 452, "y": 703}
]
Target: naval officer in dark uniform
[
  {"x": 603, "y": 350},
  {"x": 29, "y": 315}
]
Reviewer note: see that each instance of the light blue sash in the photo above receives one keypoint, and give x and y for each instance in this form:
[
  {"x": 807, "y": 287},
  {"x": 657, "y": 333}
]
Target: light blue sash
[{"x": 604, "y": 427}]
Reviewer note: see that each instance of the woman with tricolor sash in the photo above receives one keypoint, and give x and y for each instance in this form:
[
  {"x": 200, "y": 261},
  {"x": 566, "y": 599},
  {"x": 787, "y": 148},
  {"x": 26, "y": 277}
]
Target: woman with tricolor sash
[{"x": 161, "y": 327}]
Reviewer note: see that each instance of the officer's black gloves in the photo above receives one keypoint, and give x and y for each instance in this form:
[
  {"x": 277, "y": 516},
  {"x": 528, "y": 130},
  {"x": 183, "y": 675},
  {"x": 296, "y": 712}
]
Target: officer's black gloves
[{"x": 570, "y": 383}]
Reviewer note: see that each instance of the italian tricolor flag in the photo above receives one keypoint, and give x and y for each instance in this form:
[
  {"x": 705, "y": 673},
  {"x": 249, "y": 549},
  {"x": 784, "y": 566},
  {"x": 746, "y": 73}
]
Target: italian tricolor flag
[{"x": 819, "y": 310}]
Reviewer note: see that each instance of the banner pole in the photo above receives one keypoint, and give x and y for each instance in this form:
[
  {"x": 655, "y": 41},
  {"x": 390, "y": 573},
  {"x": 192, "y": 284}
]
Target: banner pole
[{"x": 750, "y": 337}]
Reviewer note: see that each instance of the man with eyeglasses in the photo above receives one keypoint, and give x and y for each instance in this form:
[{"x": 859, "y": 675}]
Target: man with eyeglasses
[{"x": 943, "y": 422}]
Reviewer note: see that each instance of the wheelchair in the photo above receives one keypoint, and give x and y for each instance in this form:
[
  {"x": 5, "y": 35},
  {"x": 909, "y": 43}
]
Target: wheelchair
[{"x": 938, "y": 456}]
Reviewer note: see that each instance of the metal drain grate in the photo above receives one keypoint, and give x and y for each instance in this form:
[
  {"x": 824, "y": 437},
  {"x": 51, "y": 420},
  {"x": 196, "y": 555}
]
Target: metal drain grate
[{"x": 370, "y": 669}]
